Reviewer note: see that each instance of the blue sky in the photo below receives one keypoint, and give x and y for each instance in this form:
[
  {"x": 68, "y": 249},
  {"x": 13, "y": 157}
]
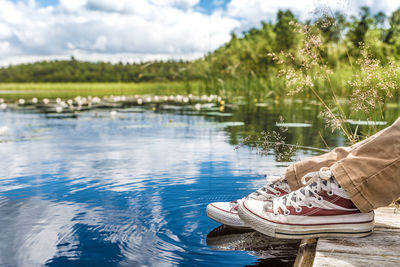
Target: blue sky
[
  {"x": 140, "y": 30},
  {"x": 47, "y": 2},
  {"x": 209, "y": 5}
]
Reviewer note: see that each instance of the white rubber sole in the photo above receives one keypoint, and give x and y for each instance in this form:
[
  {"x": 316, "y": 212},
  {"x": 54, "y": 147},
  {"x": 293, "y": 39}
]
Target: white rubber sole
[
  {"x": 304, "y": 231},
  {"x": 224, "y": 217}
]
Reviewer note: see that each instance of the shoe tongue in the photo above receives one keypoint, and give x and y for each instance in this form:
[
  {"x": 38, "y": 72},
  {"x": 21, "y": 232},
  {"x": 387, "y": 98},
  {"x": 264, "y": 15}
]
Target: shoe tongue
[
  {"x": 303, "y": 190},
  {"x": 268, "y": 205},
  {"x": 294, "y": 196},
  {"x": 257, "y": 197},
  {"x": 285, "y": 187}
]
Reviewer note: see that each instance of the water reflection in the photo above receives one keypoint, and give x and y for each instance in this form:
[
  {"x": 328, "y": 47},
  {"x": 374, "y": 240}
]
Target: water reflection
[
  {"x": 270, "y": 251},
  {"x": 95, "y": 189},
  {"x": 35, "y": 230},
  {"x": 96, "y": 192}
]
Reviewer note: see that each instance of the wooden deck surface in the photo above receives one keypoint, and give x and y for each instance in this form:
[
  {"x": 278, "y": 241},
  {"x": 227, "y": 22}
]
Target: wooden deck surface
[{"x": 382, "y": 248}]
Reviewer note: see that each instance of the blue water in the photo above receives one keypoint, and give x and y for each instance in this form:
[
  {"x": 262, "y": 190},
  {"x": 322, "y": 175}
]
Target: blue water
[{"x": 129, "y": 189}]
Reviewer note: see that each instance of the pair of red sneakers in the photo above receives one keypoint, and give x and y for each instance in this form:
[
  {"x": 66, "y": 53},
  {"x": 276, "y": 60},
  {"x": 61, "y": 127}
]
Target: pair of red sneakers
[{"x": 319, "y": 209}]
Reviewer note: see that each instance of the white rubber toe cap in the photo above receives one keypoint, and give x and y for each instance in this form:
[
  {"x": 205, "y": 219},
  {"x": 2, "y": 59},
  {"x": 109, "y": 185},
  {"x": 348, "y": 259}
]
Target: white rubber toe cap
[
  {"x": 222, "y": 212},
  {"x": 222, "y": 206},
  {"x": 254, "y": 206}
]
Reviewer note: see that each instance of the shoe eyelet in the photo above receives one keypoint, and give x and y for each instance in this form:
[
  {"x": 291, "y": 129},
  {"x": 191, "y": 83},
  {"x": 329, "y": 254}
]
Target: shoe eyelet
[
  {"x": 310, "y": 205},
  {"x": 275, "y": 214},
  {"x": 330, "y": 193},
  {"x": 339, "y": 186},
  {"x": 320, "y": 198},
  {"x": 286, "y": 212},
  {"x": 299, "y": 209},
  {"x": 278, "y": 194}
]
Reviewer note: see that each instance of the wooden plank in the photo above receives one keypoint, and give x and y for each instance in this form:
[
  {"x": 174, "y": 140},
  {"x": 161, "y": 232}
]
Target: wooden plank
[
  {"x": 353, "y": 260},
  {"x": 382, "y": 248},
  {"x": 388, "y": 217},
  {"x": 306, "y": 253}
]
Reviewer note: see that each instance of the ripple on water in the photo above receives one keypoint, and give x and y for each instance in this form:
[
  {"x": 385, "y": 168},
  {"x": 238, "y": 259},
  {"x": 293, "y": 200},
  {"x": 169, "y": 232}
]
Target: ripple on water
[{"x": 99, "y": 192}]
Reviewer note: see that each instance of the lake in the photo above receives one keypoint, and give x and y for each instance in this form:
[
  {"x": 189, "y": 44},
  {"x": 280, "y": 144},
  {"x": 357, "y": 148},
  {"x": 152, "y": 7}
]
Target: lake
[{"x": 129, "y": 186}]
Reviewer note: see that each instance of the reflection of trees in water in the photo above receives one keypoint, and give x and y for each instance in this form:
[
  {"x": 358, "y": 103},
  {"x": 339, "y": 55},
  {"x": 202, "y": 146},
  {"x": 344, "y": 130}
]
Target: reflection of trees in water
[{"x": 259, "y": 119}]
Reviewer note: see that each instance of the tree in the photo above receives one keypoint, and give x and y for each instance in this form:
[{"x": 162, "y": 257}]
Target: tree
[
  {"x": 394, "y": 30},
  {"x": 285, "y": 35},
  {"x": 360, "y": 27},
  {"x": 332, "y": 26}
]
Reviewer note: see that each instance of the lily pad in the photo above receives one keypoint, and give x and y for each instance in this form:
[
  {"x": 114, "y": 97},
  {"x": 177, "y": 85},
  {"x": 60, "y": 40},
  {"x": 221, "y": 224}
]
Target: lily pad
[
  {"x": 220, "y": 114},
  {"x": 171, "y": 107},
  {"x": 131, "y": 110},
  {"x": 353, "y": 122},
  {"x": 219, "y": 124},
  {"x": 293, "y": 124},
  {"x": 232, "y": 123}
]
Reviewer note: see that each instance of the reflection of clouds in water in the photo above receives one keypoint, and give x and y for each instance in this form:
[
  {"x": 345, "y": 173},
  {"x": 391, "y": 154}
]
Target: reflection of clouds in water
[
  {"x": 125, "y": 159},
  {"x": 144, "y": 246},
  {"x": 34, "y": 231},
  {"x": 147, "y": 159},
  {"x": 29, "y": 158},
  {"x": 31, "y": 230},
  {"x": 142, "y": 164},
  {"x": 121, "y": 159}
]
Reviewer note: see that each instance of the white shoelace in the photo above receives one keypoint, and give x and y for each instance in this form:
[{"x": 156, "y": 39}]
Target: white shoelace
[
  {"x": 269, "y": 187},
  {"x": 266, "y": 190},
  {"x": 315, "y": 182}
]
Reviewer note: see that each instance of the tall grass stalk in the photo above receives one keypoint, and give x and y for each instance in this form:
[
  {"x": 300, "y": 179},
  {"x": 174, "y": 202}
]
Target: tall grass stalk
[{"x": 368, "y": 88}]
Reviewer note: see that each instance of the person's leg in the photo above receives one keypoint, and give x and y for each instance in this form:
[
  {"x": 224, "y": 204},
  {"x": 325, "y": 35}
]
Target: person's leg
[
  {"x": 370, "y": 174},
  {"x": 339, "y": 199},
  {"x": 369, "y": 171},
  {"x": 297, "y": 170}
]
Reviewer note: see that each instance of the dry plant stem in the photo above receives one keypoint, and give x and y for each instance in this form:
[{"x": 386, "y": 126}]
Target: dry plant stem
[
  {"x": 323, "y": 140},
  {"x": 331, "y": 87},
  {"x": 355, "y": 133},
  {"x": 299, "y": 146},
  {"x": 348, "y": 135}
]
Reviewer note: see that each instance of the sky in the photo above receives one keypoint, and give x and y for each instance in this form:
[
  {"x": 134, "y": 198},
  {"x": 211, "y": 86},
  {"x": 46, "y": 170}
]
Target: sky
[{"x": 141, "y": 30}]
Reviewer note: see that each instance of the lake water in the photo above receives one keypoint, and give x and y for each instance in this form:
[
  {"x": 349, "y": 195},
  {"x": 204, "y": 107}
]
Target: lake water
[{"x": 130, "y": 188}]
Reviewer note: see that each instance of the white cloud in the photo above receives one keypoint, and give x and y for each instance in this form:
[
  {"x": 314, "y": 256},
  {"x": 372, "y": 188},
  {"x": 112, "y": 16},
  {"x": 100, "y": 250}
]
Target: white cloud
[
  {"x": 142, "y": 29},
  {"x": 99, "y": 29},
  {"x": 179, "y": 3},
  {"x": 253, "y": 11},
  {"x": 5, "y": 31},
  {"x": 73, "y": 4},
  {"x": 101, "y": 43}
]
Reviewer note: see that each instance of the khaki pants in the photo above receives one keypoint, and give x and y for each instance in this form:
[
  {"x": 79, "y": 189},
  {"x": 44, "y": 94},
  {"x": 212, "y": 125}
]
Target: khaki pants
[{"x": 368, "y": 171}]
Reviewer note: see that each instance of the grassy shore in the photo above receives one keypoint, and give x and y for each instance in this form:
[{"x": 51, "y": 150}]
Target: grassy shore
[{"x": 13, "y": 91}]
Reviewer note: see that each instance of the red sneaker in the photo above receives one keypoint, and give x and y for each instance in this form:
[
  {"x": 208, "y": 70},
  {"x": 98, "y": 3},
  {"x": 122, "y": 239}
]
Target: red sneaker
[
  {"x": 227, "y": 212},
  {"x": 319, "y": 209}
]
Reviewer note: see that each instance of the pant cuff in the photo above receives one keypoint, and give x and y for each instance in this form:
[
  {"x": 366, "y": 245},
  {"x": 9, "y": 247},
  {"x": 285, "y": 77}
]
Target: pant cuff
[
  {"x": 291, "y": 177},
  {"x": 345, "y": 181}
]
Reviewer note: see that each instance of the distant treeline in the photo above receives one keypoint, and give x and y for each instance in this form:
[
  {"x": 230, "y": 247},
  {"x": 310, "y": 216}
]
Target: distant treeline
[
  {"x": 242, "y": 56},
  {"x": 78, "y": 71}
]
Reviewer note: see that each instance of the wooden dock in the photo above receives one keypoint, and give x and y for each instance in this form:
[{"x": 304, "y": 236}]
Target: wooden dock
[{"x": 382, "y": 248}]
